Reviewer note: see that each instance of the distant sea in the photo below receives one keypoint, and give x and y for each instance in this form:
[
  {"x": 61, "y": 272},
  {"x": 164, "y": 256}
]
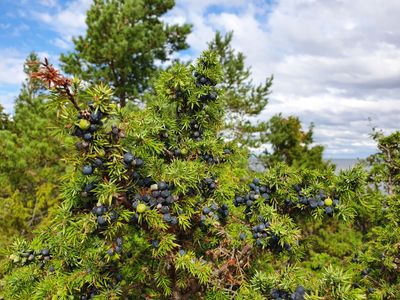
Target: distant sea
[
  {"x": 344, "y": 163},
  {"x": 341, "y": 163}
]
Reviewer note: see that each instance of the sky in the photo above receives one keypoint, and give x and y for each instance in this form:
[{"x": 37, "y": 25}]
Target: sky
[{"x": 336, "y": 63}]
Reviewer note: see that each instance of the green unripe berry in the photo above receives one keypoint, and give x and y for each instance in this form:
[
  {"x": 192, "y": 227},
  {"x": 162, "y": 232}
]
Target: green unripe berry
[
  {"x": 184, "y": 151},
  {"x": 328, "y": 202},
  {"x": 14, "y": 258},
  {"x": 141, "y": 208},
  {"x": 84, "y": 124}
]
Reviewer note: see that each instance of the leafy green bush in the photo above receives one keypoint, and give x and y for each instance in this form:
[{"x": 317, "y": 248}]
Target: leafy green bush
[
  {"x": 30, "y": 161},
  {"x": 157, "y": 205}
]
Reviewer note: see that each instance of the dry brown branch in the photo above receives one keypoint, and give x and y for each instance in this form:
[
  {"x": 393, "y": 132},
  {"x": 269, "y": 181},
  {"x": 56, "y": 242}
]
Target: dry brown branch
[{"x": 54, "y": 80}]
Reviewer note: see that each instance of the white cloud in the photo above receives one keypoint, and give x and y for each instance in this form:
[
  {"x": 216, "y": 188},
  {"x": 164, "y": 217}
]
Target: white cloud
[
  {"x": 68, "y": 20},
  {"x": 11, "y": 70},
  {"x": 7, "y": 101},
  {"x": 48, "y": 3},
  {"x": 61, "y": 43},
  {"x": 343, "y": 124},
  {"x": 5, "y": 26}
]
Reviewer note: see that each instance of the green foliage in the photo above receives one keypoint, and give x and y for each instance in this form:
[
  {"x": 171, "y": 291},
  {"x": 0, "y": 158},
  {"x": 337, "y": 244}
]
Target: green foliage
[
  {"x": 385, "y": 165},
  {"x": 30, "y": 163},
  {"x": 242, "y": 98},
  {"x": 291, "y": 144},
  {"x": 378, "y": 259},
  {"x": 123, "y": 42},
  {"x": 147, "y": 214},
  {"x": 159, "y": 203},
  {"x": 4, "y": 119}
]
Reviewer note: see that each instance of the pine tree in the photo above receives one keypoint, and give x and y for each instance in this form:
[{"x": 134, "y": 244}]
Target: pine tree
[
  {"x": 4, "y": 119},
  {"x": 32, "y": 88},
  {"x": 291, "y": 144},
  {"x": 156, "y": 206},
  {"x": 30, "y": 161},
  {"x": 385, "y": 165},
  {"x": 123, "y": 42},
  {"x": 242, "y": 98}
]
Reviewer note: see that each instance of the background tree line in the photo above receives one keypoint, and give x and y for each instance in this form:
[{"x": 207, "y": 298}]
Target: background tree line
[{"x": 123, "y": 46}]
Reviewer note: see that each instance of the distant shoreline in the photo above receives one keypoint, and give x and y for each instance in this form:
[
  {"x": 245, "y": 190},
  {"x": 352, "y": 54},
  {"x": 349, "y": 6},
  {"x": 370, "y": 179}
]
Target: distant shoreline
[
  {"x": 344, "y": 163},
  {"x": 341, "y": 163}
]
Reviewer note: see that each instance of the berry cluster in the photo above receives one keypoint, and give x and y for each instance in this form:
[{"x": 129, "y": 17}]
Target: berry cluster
[
  {"x": 202, "y": 80},
  {"x": 155, "y": 243},
  {"x": 298, "y": 294},
  {"x": 257, "y": 190},
  {"x": 170, "y": 151},
  {"x": 29, "y": 256},
  {"x": 116, "y": 133},
  {"x": 133, "y": 164},
  {"x": 116, "y": 247},
  {"x": 208, "y": 158},
  {"x": 163, "y": 136},
  {"x": 365, "y": 272},
  {"x": 321, "y": 200},
  {"x": 104, "y": 214},
  {"x": 176, "y": 152},
  {"x": 260, "y": 231},
  {"x": 89, "y": 169},
  {"x": 370, "y": 290},
  {"x": 208, "y": 186},
  {"x": 143, "y": 182},
  {"x": 131, "y": 161},
  {"x": 44, "y": 256},
  {"x": 264, "y": 236},
  {"x": 196, "y": 132},
  {"x": 160, "y": 198},
  {"x": 212, "y": 96},
  {"x": 214, "y": 211},
  {"x": 88, "y": 124},
  {"x": 212, "y": 160},
  {"x": 223, "y": 212},
  {"x": 88, "y": 189}
]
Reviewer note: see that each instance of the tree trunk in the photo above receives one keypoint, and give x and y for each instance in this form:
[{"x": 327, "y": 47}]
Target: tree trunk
[{"x": 122, "y": 100}]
